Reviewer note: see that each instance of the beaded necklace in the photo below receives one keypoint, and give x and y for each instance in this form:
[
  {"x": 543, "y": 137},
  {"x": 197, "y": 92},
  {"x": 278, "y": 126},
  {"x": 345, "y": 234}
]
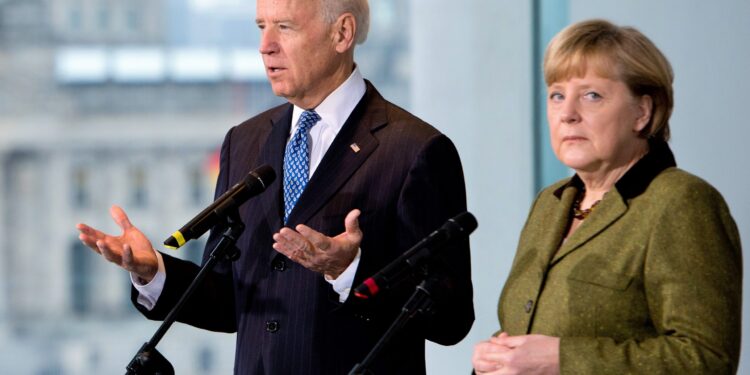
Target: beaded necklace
[{"x": 580, "y": 214}]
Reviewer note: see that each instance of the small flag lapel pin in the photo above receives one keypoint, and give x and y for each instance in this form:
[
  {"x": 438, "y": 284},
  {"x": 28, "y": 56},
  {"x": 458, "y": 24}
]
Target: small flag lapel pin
[{"x": 355, "y": 147}]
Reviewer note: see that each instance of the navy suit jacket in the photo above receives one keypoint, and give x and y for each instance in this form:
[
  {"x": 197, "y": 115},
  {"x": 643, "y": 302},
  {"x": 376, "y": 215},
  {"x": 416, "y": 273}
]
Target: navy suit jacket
[{"x": 407, "y": 180}]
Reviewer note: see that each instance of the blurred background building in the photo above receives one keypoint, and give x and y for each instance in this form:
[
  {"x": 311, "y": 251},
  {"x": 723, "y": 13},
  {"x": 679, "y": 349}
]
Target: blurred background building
[
  {"x": 126, "y": 102},
  {"x": 120, "y": 102}
]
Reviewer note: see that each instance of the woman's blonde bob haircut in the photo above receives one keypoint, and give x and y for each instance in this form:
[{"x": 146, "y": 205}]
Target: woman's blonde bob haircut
[{"x": 619, "y": 53}]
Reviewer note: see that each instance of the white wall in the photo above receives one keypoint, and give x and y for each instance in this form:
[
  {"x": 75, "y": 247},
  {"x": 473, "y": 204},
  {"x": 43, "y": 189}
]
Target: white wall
[{"x": 471, "y": 67}]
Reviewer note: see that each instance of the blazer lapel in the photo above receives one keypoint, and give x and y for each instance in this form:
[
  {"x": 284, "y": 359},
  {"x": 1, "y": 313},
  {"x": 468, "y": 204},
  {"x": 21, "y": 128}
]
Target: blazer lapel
[
  {"x": 611, "y": 208},
  {"x": 273, "y": 155},
  {"x": 551, "y": 236},
  {"x": 351, "y": 147}
]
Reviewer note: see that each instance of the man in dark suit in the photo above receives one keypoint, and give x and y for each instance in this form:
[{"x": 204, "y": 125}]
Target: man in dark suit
[{"x": 374, "y": 181}]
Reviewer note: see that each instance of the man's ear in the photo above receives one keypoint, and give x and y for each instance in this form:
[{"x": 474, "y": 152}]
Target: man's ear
[{"x": 344, "y": 30}]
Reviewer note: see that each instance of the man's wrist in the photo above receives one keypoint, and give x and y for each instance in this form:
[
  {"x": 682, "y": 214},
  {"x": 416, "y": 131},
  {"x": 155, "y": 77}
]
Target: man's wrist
[
  {"x": 144, "y": 281},
  {"x": 342, "y": 284},
  {"x": 140, "y": 280},
  {"x": 336, "y": 272}
]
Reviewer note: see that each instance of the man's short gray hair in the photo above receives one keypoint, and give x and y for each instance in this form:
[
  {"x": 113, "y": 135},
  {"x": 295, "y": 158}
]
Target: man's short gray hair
[{"x": 332, "y": 9}]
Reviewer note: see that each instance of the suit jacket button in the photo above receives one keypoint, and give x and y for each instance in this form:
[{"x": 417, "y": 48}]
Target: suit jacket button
[
  {"x": 366, "y": 317},
  {"x": 529, "y": 305},
  {"x": 272, "y": 326},
  {"x": 279, "y": 264}
]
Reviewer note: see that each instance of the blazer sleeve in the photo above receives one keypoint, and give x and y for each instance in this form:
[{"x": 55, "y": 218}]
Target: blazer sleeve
[{"x": 693, "y": 284}]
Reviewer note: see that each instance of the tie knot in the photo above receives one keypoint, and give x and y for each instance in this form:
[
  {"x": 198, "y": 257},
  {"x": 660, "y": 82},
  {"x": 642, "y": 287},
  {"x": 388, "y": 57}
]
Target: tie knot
[{"x": 307, "y": 120}]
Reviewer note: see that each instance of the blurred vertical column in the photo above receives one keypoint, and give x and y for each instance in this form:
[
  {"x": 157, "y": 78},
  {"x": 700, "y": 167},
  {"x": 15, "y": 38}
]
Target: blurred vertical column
[
  {"x": 3, "y": 241},
  {"x": 549, "y": 17},
  {"x": 471, "y": 69}
]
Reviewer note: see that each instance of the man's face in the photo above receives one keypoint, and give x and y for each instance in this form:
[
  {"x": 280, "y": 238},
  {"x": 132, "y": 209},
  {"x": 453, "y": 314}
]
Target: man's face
[{"x": 298, "y": 49}]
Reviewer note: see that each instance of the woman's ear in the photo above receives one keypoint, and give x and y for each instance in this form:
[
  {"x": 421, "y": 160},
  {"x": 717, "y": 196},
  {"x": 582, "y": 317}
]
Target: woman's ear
[{"x": 645, "y": 109}]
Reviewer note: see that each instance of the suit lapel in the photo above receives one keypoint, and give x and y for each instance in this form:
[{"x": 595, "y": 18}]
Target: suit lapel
[
  {"x": 610, "y": 209},
  {"x": 273, "y": 155},
  {"x": 351, "y": 147}
]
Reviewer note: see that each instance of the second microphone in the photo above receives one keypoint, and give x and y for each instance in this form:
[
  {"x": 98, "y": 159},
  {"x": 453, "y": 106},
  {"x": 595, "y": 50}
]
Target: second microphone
[{"x": 455, "y": 228}]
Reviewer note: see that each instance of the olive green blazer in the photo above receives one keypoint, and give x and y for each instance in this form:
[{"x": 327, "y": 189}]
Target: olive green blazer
[{"x": 650, "y": 283}]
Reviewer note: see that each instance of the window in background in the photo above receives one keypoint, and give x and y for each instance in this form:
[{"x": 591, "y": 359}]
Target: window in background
[
  {"x": 196, "y": 182},
  {"x": 132, "y": 19},
  {"x": 75, "y": 18},
  {"x": 81, "y": 196},
  {"x": 82, "y": 280},
  {"x": 103, "y": 21},
  {"x": 138, "y": 187}
]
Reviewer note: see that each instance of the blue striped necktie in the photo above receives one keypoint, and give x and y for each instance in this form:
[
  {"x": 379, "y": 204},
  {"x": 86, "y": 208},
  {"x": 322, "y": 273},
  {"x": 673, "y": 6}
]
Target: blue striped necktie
[{"x": 297, "y": 161}]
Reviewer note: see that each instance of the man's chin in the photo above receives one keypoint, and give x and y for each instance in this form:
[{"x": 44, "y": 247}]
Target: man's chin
[{"x": 279, "y": 91}]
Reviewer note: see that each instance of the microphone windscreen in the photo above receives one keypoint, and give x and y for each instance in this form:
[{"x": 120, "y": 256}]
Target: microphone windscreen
[
  {"x": 265, "y": 174},
  {"x": 460, "y": 225}
]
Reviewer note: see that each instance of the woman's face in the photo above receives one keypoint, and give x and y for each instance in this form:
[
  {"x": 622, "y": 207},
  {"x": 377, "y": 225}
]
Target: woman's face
[{"x": 594, "y": 123}]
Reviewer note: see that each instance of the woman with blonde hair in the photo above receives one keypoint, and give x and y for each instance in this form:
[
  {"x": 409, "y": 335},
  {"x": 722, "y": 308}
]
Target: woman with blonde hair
[{"x": 632, "y": 266}]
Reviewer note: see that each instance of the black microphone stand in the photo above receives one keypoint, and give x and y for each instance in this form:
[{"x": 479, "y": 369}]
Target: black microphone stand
[
  {"x": 420, "y": 302},
  {"x": 148, "y": 360}
]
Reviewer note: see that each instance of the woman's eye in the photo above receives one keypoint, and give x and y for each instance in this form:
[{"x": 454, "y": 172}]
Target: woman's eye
[
  {"x": 592, "y": 95},
  {"x": 556, "y": 96}
]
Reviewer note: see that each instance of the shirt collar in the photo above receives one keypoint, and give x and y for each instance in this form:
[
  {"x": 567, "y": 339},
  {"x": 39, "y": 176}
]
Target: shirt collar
[
  {"x": 639, "y": 176},
  {"x": 338, "y": 105}
]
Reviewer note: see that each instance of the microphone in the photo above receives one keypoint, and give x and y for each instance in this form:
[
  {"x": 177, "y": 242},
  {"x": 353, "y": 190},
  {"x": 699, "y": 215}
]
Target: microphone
[
  {"x": 455, "y": 228},
  {"x": 255, "y": 183}
]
